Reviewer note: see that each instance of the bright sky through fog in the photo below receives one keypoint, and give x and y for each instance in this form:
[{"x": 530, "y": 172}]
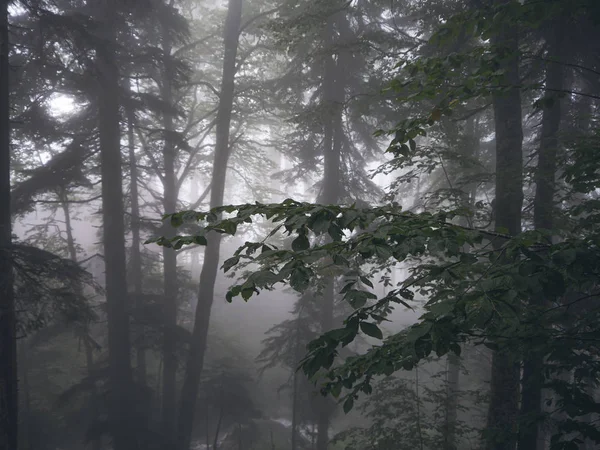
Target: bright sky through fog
[{"x": 61, "y": 104}]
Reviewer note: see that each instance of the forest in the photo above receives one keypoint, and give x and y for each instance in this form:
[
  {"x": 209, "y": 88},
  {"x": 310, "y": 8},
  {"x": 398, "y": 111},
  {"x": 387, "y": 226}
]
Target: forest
[{"x": 299, "y": 224}]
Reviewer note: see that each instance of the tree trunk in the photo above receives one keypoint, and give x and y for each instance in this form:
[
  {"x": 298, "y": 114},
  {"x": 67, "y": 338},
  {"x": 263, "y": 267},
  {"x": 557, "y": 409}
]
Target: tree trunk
[
  {"x": 208, "y": 275},
  {"x": 170, "y": 288},
  {"x": 324, "y": 412},
  {"x": 333, "y": 98},
  {"x": 295, "y": 375},
  {"x": 82, "y": 332},
  {"x": 452, "y": 379},
  {"x": 25, "y": 442},
  {"x": 114, "y": 234},
  {"x": 469, "y": 149},
  {"x": 136, "y": 256},
  {"x": 543, "y": 207},
  {"x": 9, "y": 402},
  {"x": 503, "y": 408}
]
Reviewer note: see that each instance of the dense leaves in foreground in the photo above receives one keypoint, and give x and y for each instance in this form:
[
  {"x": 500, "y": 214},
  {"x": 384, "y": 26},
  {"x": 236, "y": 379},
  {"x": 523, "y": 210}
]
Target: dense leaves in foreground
[{"x": 477, "y": 284}]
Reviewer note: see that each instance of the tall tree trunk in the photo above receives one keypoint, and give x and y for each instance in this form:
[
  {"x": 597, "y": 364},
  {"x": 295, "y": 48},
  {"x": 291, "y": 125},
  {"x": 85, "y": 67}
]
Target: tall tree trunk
[
  {"x": 84, "y": 331},
  {"x": 195, "y": 253},
  {"x": 170, "y": 288},
  {"x": 295, "y": 380},
  {"x": 136, "y": 255},
  {"x": 503, "y": 408},
  {"x": 25, "y": 430},
  {"x": 470, "y": 150},
  {"x": 333, "y": 99},
  {"x": 208, "y": 275},
  {"x": 114, "y": 234},
  {"x": 543, "y": 212},
  {"x": 452, "y": 379},
  {"x": 9, "y": 402}
]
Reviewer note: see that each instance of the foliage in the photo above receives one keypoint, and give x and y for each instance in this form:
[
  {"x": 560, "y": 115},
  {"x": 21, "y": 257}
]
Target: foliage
[
  {"x": 480, "y": 294},
  {"x": 49, "y": 288},
  {"x": 402, "y": 412}
]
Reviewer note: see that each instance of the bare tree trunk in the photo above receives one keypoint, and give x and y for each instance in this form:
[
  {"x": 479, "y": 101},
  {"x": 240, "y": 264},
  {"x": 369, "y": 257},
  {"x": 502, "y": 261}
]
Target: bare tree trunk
[
  {"x": 503, "y": 408},
  {"x": 170, "y": 288},
  {"x": 543, "y": 212},
  {"x": 114, "y": 233},
  {"x": 136, "y": 256},
  {"x": 208, "y": 275},
  {"x": 84, "y": 331},
  {"x": 470, "y": 149},
  {"x": 297, "y": 357},
  {"x": 452, "y": 379},
  {"x": 9, "y": 401},
  {"x": 195, "y": 253},
  {"x": 25, "y": 431},
  {"x": 334, "y": 96}
]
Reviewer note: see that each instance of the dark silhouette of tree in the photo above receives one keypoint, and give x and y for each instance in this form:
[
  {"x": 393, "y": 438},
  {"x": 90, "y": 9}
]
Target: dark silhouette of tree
[
  {"x": 121, "y": 403},
  {"x": 9, "y": 415},
  {"x": 208, "y": 275}
]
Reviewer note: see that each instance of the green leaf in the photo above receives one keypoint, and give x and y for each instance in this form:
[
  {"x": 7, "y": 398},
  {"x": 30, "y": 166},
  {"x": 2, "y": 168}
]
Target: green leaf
[
  {"x": 413, "y": 144},
  {"x": 176, "y": 220},
  {"x": 320, "y": 222},
  {"x": 300, "y": 279},
  {"x": 300, "y": 243},
  {"x": 231, "y": 262},
  {"x": 335, "y": 232},
  {"x": 339, "y": 260},
  {"x": 200, "y": 240},
  {"x": 229, "y": 227},
  {"x": 348, "y": 405},
  {"x": 366, "y": 281},
  {"x": 247, "y": 292},
  {"x": 383, "y": 251},
  {"x": 336, "y": 390},
  {"x": 370, "y": 329},
  {"x": 358, "y": 299}
]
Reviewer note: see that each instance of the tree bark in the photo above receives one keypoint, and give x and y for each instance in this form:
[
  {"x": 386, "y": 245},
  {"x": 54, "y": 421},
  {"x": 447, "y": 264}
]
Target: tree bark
[
  {"x": 25, "y": 430},
  {"x": 503, "y": 408},
  {"x": 543, "y": 214},
  {"x": 208, "y": 275},
  {"x": 295, "y": 379},
  {"x": 452, "y": 379},
  {"x": 121, "y": 382},
  {"x": 9, "y": 402},
  {"x": 136, "y": 255},
  {"x": 170, "y": 288},
  {"x": 82, "y": 332},
  {"x": 333, "y": 100}
]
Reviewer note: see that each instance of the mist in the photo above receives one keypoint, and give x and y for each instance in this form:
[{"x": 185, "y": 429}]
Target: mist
[{"x": 299, "y": 225}]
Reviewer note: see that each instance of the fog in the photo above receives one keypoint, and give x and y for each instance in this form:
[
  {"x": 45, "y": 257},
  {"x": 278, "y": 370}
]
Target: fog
[{"x": 299, "y": 225}]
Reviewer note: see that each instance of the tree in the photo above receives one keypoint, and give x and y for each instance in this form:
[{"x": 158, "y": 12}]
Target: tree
[
  {"x": 479, "y": 284},
  {"x": 114, "y": 230},
  {"x": 9, "y": 416},
  {"x": 502, "y": 416},
  {"x": 543, "y": 215},
  {"x": 284, "y": 346},
  {"x": 195, "y": 360}
]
